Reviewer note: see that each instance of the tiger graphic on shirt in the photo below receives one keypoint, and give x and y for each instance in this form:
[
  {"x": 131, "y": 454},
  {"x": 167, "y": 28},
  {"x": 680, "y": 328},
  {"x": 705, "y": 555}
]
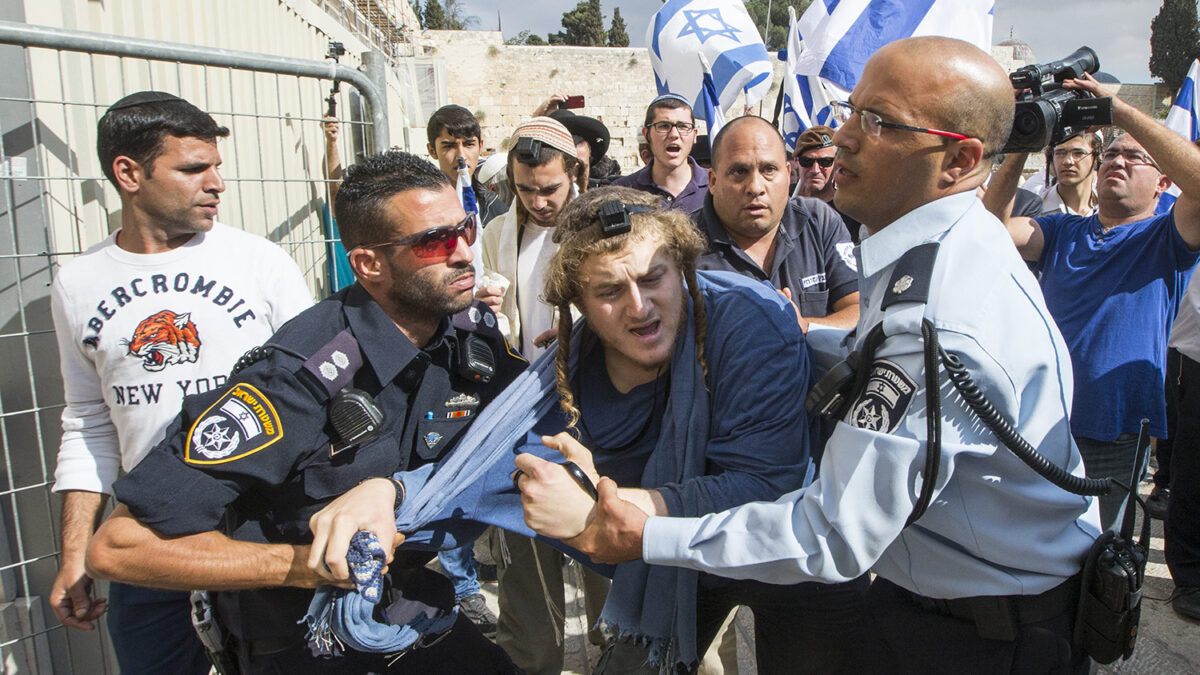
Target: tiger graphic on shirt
[{"x": 164, "y": 339}]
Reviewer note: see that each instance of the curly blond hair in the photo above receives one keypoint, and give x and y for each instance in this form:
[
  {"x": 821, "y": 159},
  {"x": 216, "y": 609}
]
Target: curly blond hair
[{"x": 579, "y": 237}]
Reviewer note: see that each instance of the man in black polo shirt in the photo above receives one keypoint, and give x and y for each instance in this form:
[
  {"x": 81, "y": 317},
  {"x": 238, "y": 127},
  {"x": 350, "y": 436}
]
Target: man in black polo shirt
[{"x": 800, "y": 245}]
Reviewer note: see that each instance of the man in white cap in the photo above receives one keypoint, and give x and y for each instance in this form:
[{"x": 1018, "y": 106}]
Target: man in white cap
[
  {"x": 543, "y": 170},
  {"x": 493, "y": 175}
]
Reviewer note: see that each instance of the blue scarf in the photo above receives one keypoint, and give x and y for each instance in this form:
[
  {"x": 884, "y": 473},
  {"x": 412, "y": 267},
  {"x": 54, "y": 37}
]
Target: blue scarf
[{"x": 471, "y": 487}]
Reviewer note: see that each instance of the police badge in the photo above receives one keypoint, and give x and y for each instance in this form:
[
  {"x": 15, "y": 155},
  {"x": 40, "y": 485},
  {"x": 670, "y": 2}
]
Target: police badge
[{"x": 238, "y": 424}]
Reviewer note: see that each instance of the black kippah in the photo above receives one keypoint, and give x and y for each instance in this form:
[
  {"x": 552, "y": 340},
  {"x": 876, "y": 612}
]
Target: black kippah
[{"x": 143, "y": 97}]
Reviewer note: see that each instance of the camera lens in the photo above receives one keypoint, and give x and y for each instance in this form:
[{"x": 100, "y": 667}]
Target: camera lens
[{"x": 1026, "y": 123}]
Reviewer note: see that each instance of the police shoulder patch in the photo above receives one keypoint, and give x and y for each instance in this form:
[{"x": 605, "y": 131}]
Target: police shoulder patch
[
  {"x": 477, "y": 318},
  {"x": 240, "y": 423},
  {"x": 884, "y": 400}
]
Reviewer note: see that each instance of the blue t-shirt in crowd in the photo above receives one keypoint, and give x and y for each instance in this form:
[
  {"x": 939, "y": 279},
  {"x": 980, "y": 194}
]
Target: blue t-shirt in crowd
[{"x": 1114, "y": 295}]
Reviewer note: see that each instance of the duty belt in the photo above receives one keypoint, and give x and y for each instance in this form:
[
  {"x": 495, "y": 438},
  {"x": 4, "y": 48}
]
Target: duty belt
[{"x": 998, "y": 617}]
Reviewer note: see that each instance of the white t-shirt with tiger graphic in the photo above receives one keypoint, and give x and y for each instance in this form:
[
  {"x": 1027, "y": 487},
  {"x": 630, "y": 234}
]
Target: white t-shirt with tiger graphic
[{"x": 138, "y": 332}]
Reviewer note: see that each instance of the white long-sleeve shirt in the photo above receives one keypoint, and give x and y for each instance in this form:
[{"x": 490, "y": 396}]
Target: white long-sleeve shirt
[{"x": 138, "y": 332}]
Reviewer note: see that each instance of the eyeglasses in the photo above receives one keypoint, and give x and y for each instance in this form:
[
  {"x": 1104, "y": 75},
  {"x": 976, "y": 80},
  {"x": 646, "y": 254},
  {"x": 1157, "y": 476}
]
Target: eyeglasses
[
  {"x": 439, "y": 242},
  {"x": 1075, "y": 155},
  {"x": 873, "y": 124},
  {"x": 1132, "y": 157},
  {"x": 665, "y": 127},
  {"x": 807, "y": 162}
]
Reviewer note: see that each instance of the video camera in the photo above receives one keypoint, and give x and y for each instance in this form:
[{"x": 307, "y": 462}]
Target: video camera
[{"x": 1048, "y": 113}]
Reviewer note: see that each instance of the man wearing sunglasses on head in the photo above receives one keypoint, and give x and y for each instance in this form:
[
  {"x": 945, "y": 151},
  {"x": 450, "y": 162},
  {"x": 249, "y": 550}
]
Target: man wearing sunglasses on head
[
  {"x": 380, "y": 378},
  {"x": 672, "y": 174},
  {"x": 1113, "y": 281}
]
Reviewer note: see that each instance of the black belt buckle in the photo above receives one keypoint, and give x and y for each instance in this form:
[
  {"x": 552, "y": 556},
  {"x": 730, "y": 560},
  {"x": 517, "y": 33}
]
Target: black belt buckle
[{"x": 995, "y": 618}]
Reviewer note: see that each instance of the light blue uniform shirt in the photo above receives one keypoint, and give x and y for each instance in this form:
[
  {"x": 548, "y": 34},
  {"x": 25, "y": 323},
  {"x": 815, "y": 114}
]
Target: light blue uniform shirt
[{"x": 994, "y": 526}]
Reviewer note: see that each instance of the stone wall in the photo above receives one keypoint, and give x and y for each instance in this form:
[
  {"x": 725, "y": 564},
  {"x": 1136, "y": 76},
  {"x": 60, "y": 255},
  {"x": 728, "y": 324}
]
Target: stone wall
[{"x": 503, "y": 84}]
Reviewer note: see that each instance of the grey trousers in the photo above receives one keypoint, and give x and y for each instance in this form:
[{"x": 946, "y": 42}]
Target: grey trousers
[{"x": 527, "y": 628}]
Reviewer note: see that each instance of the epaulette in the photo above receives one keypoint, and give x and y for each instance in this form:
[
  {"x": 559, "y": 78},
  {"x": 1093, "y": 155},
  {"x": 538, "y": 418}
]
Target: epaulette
[
  {"x": 478, "y": 318},
  {"x": 335, "y": 364},
  {"x": 911, "y": 276}
]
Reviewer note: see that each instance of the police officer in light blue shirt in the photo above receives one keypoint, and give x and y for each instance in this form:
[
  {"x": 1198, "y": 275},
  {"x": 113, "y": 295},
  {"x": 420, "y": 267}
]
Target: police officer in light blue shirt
[{"x": 986, "y": 578}]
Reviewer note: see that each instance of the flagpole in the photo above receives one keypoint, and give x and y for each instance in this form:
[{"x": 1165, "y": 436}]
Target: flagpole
[
  {"x": 766, "y": 42},
  {"x": 767, "y": 25}
]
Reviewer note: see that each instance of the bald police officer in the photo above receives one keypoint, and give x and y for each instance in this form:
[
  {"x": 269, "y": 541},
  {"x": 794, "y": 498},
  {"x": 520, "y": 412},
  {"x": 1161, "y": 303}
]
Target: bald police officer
[{"x": 988, "y": 576}]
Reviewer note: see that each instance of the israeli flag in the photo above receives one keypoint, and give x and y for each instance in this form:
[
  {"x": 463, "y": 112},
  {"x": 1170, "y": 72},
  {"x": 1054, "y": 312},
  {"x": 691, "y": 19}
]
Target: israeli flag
[
  {"x": 721, "y": 31},
  {"x": 830, "y": 44},
  {"x": 1183, "y": 119},
  {"x": 710, "y": 104},
  {"x": 805, "y": 98}
]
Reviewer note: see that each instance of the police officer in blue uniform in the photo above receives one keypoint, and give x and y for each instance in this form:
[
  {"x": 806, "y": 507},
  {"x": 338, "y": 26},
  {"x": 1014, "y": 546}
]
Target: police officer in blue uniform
[
  {"x": 380, "y": 378},
  {"x": 978, "y": 560}
]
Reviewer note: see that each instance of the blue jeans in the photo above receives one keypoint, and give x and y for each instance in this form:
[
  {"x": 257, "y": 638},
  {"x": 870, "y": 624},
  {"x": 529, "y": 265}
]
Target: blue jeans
[
  {"x": 458, "y": 565},
  {"x": 152, "y": 632}
]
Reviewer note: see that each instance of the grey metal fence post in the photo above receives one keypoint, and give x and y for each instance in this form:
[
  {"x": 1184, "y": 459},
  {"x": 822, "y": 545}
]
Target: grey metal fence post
[{"x": 375, "y": 68}]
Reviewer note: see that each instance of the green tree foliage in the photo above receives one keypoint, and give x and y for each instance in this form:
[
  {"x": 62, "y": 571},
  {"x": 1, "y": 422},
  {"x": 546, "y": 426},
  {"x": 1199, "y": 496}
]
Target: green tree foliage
[
  {"x": 618, "y": 36},
  {"x": 776, "y": 36},
  {"x": 447, "y": 15},
  {"x": 433, "y": 17},
  {"x": 1174, "y": 42},
  {"x": 457, "y": 18},
  {"x": 584, "y": 25},
  {"x": 525, "y": 38}
]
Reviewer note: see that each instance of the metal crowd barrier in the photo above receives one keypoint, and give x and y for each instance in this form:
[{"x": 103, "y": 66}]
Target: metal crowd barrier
[{"x": 56, "y": 204}]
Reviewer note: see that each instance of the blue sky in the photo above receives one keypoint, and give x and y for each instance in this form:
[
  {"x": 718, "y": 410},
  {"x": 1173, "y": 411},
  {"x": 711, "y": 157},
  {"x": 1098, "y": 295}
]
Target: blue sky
[{"x": 1119, "y": 30}]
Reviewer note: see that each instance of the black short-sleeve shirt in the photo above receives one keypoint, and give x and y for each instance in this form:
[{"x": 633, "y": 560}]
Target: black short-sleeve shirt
[
  {"x": 258, "y": 457},
  {"x": 814, "y": 256}
]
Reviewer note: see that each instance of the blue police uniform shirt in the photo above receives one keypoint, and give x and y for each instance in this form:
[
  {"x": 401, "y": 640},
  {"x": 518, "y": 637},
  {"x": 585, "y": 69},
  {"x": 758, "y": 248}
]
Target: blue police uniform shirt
[
  {"x": 688, "y": 200},
  {"x": 255, "y": 459},
  {"x": 814, "y": 256},
  {"x": 1114, "y": 296},
  {"x": 994, "y": 527}
]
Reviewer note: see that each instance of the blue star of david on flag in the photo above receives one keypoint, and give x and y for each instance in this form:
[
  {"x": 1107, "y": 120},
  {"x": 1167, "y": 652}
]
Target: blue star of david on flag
[
  {"x": 693, "y": 27},
  {"x": 681, "y": 31}
]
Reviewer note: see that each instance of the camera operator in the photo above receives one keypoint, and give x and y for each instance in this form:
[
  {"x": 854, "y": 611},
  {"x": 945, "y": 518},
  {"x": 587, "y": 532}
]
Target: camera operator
[{"x": 1112, "y": 282}]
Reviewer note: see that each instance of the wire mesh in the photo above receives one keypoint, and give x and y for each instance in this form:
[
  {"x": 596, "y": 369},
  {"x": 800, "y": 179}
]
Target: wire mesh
[{"x": 56, "y": 204}]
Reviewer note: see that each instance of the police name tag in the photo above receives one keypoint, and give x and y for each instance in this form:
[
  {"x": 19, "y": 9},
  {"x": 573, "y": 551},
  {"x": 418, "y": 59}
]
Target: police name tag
[
  {"x": 240, "y": 423},
  {"x": 812, "y": 280},
  {"x": 885, "y": 398}
]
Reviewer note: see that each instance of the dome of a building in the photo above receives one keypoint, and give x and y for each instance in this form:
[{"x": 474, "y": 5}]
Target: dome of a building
[{"x": 1020, "y": 50}]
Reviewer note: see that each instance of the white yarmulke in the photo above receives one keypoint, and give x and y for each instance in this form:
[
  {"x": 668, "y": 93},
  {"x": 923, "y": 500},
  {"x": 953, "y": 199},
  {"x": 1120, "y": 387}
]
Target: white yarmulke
[{"x": 549, "y": 131}]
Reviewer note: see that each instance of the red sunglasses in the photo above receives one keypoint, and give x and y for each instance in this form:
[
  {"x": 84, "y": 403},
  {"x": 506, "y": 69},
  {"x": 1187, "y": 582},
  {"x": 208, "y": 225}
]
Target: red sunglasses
[{"x": 439, "y": 242}]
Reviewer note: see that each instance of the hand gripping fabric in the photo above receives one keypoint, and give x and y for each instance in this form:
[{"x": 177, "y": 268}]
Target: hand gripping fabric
[
  {"x": 654, "y": 605},
  {"x": 339, "y": 617}
]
